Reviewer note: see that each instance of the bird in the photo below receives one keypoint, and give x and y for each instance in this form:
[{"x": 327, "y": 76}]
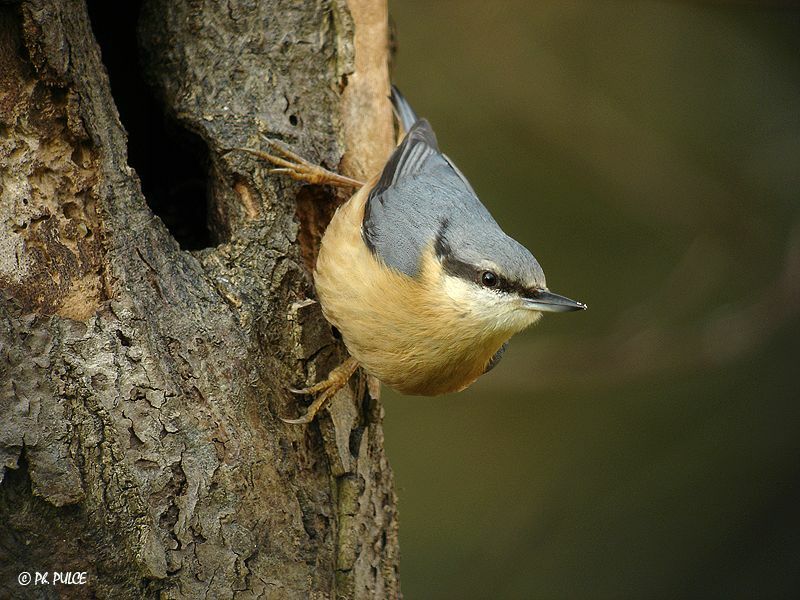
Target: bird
[{"x": 421, "y": 282}]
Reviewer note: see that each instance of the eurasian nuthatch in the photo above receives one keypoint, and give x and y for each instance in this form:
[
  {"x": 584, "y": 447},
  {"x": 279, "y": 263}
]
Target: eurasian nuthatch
[{"x": 419, "y": 279}]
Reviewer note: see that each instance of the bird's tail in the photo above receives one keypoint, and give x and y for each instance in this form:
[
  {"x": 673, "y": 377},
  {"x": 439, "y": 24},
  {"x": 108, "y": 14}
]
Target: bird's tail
[{"x": 403, "y": 110}]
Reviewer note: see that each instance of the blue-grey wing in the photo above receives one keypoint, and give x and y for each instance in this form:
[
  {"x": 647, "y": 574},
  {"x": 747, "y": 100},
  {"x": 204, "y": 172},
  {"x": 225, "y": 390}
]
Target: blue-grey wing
[{"x": 418, "y": 196}]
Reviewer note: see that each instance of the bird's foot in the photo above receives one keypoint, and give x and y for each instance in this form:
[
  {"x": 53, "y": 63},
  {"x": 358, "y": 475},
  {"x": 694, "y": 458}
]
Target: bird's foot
[
  {"x": 298, "y": 168},
  {"x": 324, "y": 390}
]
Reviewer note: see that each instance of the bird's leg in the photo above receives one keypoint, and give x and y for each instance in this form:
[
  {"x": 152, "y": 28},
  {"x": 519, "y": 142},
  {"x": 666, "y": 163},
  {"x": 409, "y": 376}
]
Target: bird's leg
[
  {"x": 324, "y": 390},
  {"x": 298, "y": 168}
]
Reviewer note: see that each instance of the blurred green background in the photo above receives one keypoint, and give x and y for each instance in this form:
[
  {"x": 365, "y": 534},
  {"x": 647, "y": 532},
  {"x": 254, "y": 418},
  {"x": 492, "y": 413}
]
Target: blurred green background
[{"x": 649, "y": 155}]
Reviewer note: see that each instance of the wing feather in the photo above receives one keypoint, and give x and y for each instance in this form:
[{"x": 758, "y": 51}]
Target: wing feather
[{"x": 418, "y": 189}]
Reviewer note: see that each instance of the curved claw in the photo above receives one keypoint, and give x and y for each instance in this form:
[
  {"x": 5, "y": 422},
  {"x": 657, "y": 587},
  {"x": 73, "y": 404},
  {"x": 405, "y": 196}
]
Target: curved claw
[
  {"x": 300, "y": 391},
  {"x": 299, "y": 421}
]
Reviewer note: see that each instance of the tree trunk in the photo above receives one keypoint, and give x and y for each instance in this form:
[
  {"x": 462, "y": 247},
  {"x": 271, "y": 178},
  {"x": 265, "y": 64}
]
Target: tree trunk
[{"x": 141, "y": 383}]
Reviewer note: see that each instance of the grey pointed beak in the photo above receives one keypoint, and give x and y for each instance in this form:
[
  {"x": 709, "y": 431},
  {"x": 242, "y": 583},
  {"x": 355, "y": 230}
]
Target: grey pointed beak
[{"x": 545, "y": 301}]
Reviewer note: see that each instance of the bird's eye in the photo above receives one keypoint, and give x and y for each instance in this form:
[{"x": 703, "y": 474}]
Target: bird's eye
[{"x": 488, "y": 279}]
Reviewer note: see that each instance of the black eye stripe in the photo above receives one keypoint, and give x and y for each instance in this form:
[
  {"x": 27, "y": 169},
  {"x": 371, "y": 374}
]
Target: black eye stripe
[
  {"x": 509, "y": 287},
  {"x": 502, "y": 284},
  {"x": 458, "y": 268}
]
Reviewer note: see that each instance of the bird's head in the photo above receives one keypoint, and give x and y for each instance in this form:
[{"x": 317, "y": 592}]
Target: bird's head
[
  {"x": 424, "y": 220},
  {"x": 493, "y": 278}
]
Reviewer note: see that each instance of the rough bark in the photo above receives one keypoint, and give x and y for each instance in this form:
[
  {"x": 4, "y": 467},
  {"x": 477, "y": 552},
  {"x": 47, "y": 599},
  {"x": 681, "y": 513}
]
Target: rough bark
[{"x": 141, "y": 385}]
